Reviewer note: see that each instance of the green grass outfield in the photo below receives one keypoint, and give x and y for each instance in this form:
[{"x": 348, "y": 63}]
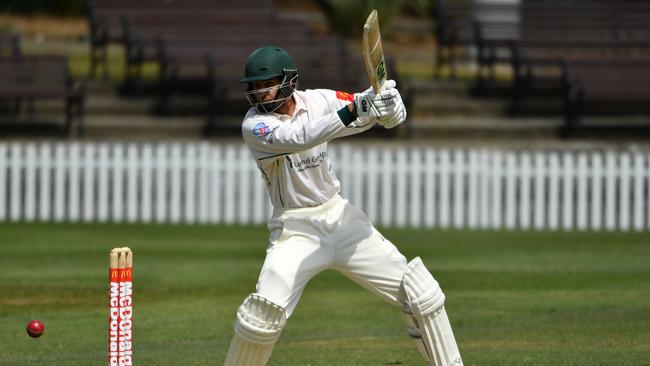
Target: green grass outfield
[{"x": 513, "y": 298}]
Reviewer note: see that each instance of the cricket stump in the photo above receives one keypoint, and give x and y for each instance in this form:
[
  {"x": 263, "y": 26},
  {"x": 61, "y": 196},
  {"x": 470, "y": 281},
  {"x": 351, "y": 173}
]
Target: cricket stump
[{"x": 120, "y": 294}]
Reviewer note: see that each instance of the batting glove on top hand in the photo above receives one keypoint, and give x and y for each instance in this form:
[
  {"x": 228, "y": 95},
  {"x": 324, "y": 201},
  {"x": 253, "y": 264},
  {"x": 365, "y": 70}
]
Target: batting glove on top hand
[{"x": 369, "y": 104}]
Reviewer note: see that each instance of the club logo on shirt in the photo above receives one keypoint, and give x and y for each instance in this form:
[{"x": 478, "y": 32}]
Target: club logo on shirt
[
  {"x": 344, "y": 96},
  {"x": 261, "y": 129}
]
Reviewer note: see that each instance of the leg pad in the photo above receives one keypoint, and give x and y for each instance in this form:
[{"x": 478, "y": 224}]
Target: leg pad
[
  {"x": 426, "y": 301},
  {"x": 258, "y": 326}
]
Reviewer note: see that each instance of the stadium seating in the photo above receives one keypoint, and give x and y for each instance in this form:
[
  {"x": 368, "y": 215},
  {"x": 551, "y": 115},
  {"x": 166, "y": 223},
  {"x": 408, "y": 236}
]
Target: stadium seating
[
  {"x": 587, "y": 51},
  {"x": 592, "y": 55},
  {"x": 9, "y": 45},
  {"x": 24, "y": 79},
  {"x": 200, "y": 47},
  {"x": 478, "y": 23}
]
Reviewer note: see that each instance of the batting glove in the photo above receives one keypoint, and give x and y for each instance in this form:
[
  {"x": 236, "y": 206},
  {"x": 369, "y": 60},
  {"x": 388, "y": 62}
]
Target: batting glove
[
  {"x": 397, "y": 114},
  {"x": 369, "y": 104}
]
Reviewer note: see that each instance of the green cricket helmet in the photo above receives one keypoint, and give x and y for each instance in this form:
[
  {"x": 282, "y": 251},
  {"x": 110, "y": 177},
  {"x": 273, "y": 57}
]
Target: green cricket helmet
[{"x": 267, "y": 63}]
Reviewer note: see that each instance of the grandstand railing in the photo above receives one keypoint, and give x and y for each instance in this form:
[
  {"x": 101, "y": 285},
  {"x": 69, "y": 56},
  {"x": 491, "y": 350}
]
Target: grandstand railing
[{"x": 209, "y": 183}]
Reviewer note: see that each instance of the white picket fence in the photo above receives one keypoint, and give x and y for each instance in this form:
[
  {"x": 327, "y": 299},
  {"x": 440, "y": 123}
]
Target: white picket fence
[{"x": 396, "y": 186}]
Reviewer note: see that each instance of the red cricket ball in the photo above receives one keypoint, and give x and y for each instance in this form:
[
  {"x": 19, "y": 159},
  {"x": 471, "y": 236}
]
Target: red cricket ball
[{"x": 35, "y": 328}]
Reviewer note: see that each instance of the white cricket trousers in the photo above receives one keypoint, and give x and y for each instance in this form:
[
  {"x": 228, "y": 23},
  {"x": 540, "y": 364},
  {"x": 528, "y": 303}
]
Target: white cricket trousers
[{"x": 334, "y": 235}]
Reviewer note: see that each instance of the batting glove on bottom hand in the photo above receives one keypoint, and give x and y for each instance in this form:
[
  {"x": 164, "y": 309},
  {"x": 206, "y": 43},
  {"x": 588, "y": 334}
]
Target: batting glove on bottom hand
[{"x": 398, "y": 115}]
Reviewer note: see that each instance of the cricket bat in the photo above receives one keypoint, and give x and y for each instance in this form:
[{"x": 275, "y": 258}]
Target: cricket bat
[{"x": 373, "y": 53}]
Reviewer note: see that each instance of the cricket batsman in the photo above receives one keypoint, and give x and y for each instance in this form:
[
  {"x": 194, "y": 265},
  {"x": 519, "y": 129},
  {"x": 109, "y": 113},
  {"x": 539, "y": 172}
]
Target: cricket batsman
[{"x": 312, "y": 227}]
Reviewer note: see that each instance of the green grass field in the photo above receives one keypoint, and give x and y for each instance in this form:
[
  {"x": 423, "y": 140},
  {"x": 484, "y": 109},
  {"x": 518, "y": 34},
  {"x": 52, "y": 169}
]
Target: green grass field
[{"x": 513, "y": 298}]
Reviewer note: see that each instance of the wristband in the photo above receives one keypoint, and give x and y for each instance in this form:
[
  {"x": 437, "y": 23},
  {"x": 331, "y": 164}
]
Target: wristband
[{"x": 346, "y": 116}]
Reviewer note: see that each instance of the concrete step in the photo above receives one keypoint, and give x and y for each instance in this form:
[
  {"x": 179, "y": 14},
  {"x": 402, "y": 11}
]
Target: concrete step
[
  {"x": 97, "y": 88},
  {"x": 96, "y": 104},
  {"x": 138, "y": 127},
  {"x": 142, "y": 127},
  {"x": 484, "y": 128},
  {"x": 449, "y": 105},
  {"x": 455, "y": 87},
  {"x": 450, "y": 98}
]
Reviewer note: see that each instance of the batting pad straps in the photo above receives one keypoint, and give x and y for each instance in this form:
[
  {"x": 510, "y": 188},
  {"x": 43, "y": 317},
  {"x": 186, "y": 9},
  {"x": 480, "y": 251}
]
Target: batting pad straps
[
  {"x": 259, "y": 320},
  {"x": 423, "y": 291},
  {"x": 258, "y": 326},
  {"x": 414, "y": 332}
]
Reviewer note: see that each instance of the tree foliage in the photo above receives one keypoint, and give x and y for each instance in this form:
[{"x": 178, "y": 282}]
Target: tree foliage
[{"x": 346, "y": 17}]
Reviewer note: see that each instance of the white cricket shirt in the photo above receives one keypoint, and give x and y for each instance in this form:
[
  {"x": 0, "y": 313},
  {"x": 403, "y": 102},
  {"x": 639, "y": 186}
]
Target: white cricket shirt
[{"x": 291, "y": 151}]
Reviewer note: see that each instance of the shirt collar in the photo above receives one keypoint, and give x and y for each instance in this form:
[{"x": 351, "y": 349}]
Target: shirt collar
[
  {"x": 300, "y": 103},
  {"x": 300, "y": 106}
]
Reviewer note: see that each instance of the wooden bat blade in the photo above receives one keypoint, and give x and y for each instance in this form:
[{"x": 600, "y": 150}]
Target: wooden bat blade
[{"x": 373, "y": 52}]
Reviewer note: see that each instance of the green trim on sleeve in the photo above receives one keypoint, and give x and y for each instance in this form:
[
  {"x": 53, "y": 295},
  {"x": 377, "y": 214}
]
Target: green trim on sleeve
[{"x": 346, "y": 116}]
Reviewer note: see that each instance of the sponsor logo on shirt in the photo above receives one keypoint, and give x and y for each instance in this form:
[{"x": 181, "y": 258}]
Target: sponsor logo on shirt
[
  {"x": 261, "y": 129},
  {"x": 307, "y": 162},
  {"x": 344, "y": 96}
]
